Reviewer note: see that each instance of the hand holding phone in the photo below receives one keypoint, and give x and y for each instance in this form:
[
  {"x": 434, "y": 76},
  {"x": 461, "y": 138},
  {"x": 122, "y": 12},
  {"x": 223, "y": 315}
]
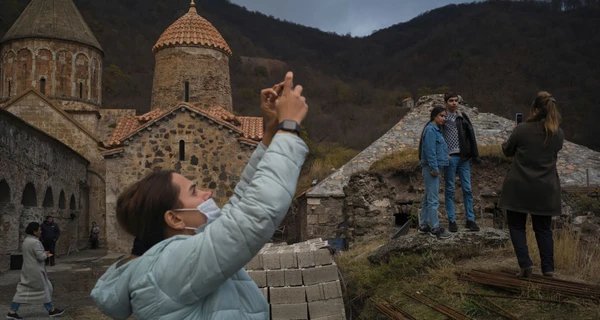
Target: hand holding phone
[{"x": 519, "y": 118}]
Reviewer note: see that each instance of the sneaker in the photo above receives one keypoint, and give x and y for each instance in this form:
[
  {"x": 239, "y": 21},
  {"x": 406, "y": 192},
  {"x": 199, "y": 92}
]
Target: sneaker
[
  {"x": 440, "y": 233},
  {"x": 471, "y": 225},
  {"x": 424, "y": 229},
  {"x": 13, "y": 316},
  {"x": 452, "y": 226},
  {"x": 56, "y": 312}
]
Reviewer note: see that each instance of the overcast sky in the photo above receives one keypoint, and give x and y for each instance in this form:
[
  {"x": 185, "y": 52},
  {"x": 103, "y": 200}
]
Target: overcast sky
[{"x": 357, "y": 17}]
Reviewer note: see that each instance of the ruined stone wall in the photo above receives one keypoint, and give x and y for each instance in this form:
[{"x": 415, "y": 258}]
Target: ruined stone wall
[
  {"x": 60, "y": 69},
  {"x": 213, "y": 158},
  {"x": 320, "y": 216},
  {"x": 41, "y": 115},
  {"x": 206, "y": 71},
  {"x": 39, "y": 176}
]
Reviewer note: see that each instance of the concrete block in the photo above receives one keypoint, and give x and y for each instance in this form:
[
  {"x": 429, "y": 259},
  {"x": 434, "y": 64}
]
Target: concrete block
[
  {"x": 323, "y": 257},
  {"x": 296, "y": 311},
  {"x": 305, "y": 258},
  {"x": 287, "y": 295},
  {"x": 314, "y": 293},
  {"x": 288, "y": 260},
  {"x": 265, "y": 292},
  {"x": 255, "y": 263},
  {"x": 259, "y": 277},
  {"x": 332, "y": 289},
  {"x": 270, "y": 260},
  {"x": 319, "y": 274},
  {"x": 326, "y": 308},
  {"x": 275, "y": 278},
  {"x": 293, "y": 277}
]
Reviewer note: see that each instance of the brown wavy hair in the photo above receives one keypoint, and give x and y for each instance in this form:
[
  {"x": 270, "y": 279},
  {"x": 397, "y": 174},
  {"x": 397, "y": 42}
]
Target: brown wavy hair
[{"x": 543, "y": 109}]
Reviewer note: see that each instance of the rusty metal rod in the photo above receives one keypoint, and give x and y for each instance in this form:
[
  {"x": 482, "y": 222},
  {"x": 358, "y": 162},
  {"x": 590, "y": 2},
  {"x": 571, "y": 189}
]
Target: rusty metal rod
[
  {"x": 400, "y": 310},
  {"x": 391, "y": 314},
  {"x": 510, "y": 315},
  {"x": 505, "y": 297},
  {"x": 441, "y": 308}
]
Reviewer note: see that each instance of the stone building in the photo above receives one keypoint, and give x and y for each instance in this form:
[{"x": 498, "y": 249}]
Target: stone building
[
  {"x": 192, "y": 64},
  {"x": 39, "y": 176},
  {"x": 323, "y": 210},
  {"x": 50, "y": 80}
]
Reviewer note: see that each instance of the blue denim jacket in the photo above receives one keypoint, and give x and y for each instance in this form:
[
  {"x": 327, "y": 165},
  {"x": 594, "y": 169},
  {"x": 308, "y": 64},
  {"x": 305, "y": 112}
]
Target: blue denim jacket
[{"x": 434, "y": 150}]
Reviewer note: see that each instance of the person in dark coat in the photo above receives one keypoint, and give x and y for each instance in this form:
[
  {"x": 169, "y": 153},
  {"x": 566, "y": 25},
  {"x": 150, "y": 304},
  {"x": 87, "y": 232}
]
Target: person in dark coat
[
  {"x": 94, "y": 235},
  {"x": 532, "y": 184},
  {"x": 34, "y": 286},
  {"x": 50, "y": 234}
]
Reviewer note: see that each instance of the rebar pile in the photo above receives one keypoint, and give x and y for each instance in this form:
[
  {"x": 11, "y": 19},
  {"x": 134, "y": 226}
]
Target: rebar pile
[
  {"x": 439, "y": 307},
  {"x": 392, "y": 312},
  {"x": 509, "y": 281}
]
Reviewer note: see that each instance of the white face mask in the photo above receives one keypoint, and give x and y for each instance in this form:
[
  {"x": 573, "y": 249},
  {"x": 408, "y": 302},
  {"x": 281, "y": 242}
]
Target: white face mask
[{"x": 210, "y": 209}]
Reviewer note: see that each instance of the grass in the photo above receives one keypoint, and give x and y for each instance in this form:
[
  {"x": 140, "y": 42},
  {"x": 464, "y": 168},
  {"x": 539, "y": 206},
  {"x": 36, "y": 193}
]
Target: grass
[
  {"x": 408, "y": 159},
  {"x": 434, "y": 274}
]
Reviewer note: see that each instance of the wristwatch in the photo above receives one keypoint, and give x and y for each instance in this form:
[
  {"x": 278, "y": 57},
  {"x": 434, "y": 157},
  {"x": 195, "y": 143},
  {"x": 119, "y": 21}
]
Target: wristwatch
[{"x": 289, "y": 125}]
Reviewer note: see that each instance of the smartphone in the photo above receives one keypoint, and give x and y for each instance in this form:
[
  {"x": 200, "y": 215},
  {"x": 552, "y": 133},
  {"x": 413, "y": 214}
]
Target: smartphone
[{"x": 519, "y": 118}]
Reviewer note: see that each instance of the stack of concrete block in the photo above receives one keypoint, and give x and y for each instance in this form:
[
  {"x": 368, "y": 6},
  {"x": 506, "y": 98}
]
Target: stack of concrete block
[{"x": 300, "y": 281}]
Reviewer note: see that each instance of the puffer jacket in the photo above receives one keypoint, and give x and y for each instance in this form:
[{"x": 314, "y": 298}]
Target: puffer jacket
[
  {"x": 434, "y": 150},
  {"x": 202, "y": 276}
]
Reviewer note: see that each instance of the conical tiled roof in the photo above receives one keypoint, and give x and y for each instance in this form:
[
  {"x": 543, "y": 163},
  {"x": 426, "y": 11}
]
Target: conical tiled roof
[
  {"x": 52, "y": 19},
  {"x": 192, "y": 30}
]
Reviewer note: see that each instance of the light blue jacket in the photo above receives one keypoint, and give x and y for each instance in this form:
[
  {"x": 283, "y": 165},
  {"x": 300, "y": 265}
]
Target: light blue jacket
[
  {"x": 434, "y": 150},
  {"x": 202, "y": 276}
]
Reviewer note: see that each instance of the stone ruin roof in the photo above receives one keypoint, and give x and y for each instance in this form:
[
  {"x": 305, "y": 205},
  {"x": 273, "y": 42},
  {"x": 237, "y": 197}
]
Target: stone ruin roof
[
  {"x": 490, "y": 129},
  {"x": 250, "y": 129},
  {"x": 52, "y": 19}
]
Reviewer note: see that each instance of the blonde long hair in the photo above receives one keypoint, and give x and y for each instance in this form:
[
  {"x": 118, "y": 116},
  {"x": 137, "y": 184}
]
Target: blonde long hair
[{"x": 544, "y": 109}]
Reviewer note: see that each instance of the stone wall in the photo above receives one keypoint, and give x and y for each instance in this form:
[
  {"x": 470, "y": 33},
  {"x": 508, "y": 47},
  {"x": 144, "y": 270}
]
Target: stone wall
[
  {"x": 320, "y": 216},
  {"x": 68, "y": 69},
  {"x": 206, "y": 71},
  {"x": 39, "y": 176},
  {"x": 40, "y": 114},
  {"x": 213, "y": 158}
]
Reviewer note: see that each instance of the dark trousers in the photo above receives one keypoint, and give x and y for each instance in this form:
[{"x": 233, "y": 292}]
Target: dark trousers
[
  {"x": 517, "y": 223},
  {"x": 50, "y": 246}
]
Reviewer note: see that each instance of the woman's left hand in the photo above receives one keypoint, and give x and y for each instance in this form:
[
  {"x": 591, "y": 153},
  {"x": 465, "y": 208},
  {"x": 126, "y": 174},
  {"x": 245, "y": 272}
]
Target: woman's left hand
[{"x": 267, "y": 105}]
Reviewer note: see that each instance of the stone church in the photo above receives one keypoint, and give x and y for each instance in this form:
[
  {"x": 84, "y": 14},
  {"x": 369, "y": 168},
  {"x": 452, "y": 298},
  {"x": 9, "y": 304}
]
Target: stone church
[{"x": 63, "y": 155}]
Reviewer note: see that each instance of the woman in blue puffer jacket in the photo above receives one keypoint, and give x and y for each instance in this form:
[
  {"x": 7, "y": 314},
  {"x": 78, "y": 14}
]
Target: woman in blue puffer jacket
[
  {"x": 433, "y": 153},
  {"x": 193, "y": 268}
]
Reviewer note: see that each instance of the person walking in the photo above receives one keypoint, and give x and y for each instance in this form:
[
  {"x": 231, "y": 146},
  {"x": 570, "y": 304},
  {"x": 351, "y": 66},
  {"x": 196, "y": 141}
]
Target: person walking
[
  {"x": 34, "y": 287},
  {"x": 462, "y": 146},
  {"x": 94, "y": 236},
  {"x": 532, "y": 185},
  {"x": 50, "y": 234},
  {"x": 433, "y": 153}
]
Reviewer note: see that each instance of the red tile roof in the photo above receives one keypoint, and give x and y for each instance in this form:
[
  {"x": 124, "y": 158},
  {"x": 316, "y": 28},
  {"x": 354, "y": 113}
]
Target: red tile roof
[
  {"x": 250, "y": 128},
  {"x": 192, "y": 29}
]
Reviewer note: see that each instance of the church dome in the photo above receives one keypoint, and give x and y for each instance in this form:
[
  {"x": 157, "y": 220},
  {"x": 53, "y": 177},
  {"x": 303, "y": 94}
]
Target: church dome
[{"x": 192, "y": 30}]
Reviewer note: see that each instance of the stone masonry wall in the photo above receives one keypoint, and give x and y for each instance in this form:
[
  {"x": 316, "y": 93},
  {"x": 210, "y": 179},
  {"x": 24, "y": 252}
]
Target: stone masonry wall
[
  {"x": 41, "y": 115},
  {"x": 39, "y": 176},
  {"x": 71, "y": 70},
  {"x": 574, "y": 161},
  {"x": 299, "y": 281},
  {"x": 213, "y": 158},
  {"x": 206, "y": 70}
]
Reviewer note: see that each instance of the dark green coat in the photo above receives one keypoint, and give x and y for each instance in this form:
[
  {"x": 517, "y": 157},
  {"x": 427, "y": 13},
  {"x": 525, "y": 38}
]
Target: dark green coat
[{"x": 532, "y": 184}]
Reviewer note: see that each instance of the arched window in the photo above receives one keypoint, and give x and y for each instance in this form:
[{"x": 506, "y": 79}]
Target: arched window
[
  {"x": 72, "y": 204},
  {"x": 43, "y": 85},
  {"x": 81, "y": 90},
  {"x": 181, "y": 150},
  {"x": 48, "y": 199},
  {"x": 62, "y": 201},
  {"x": 4, "y": 192},
  {"x": 29, "y": 196},
  {"x": 186, "y": 97}
]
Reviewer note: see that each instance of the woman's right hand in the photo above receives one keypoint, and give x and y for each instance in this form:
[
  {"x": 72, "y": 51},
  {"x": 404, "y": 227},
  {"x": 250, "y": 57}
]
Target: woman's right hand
[
  {"x": 48, "y": 254},
  {"x": 291, "y": 105}
]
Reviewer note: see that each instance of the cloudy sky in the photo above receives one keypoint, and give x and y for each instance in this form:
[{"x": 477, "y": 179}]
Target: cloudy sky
[{"x": 357, "y": 17}]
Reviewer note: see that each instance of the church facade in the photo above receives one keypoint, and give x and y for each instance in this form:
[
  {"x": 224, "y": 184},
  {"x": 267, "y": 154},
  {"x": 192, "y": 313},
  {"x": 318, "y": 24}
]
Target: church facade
[{"x": 51, "y": 84}]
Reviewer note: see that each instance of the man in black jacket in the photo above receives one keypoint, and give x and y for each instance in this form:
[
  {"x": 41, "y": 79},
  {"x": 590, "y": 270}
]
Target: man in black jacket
[
  {"x": 50, "y": 234},
  {"x": 462, "y": 146}
]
